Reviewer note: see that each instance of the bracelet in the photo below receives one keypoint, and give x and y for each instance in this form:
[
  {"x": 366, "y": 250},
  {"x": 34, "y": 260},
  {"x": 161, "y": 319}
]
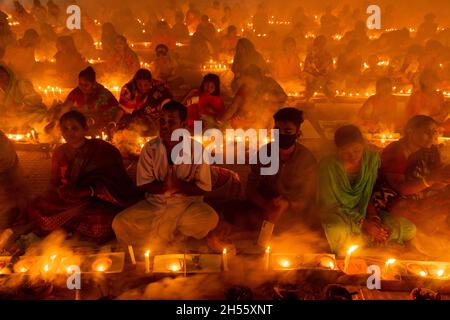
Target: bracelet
[
  {"x": 375, "y": 218},
  {"x": 425, "y": 182},
  {"x": 92, "y": 191}
]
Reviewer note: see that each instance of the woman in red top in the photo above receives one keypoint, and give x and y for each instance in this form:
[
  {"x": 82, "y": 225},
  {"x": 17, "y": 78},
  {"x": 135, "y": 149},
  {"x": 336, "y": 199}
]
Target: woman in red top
[
  {"x": 89, "y": 185},
  {"x": 413, "y": 181},
  {"x": 205, "y": 104}
]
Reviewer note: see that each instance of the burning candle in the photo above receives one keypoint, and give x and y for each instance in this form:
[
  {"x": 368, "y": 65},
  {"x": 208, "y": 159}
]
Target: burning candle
[
  {"x": 175, "y": 266},
  {"x": 284, "y": 263},
  {"x": 350, "y": 250},
  {"x": 267, "y": 259},
  {"x": 102, "y": 264},
  {"x": 225, "y": 259},
  {"x": 327, "y": 262},
  {"x": 388, "y": 264},
  {"x": 130, "y": 250},
  {"x": 417, "y": 269},
  {"x": 147, "y": 261}
]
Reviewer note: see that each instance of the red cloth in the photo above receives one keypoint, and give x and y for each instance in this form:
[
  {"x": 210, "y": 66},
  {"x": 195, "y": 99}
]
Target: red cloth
[
  {"x": 393, "y": 159},
  {"x": 207, "y": 105},
  {"x": 97, "y": 164}
]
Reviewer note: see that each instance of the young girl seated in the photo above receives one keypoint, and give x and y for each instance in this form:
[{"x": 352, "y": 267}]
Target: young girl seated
[{"x": 205, "y": 104}]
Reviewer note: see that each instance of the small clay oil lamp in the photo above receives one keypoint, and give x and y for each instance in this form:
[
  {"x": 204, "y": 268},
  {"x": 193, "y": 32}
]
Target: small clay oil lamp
[
  {"x": 175, "y": 265},
  {"x": 417, "y": 269},
  {"x": 326, "y": 262},
  {"x": 101, "y": 265}
]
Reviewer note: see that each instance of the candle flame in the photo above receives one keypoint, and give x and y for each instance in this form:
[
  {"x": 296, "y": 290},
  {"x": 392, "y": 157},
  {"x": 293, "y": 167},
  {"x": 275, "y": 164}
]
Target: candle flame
[
  {"x": 268, "y": 249},
  {"x": 101, "y": 268},
  {"x": 147, "y": 253},
  {"x": 224, "y": 251},
  {"x": 422, "y": 273},
  {"x": 352, "y": 249},
  {"x": 23, "y": 269},
  {"x": 174, "y": 267},
  {"x": 391, "y": 261},
  {"x": 46, "y": 268},
  {"x": 440, "y": 272},
  {"x": 285, "y": 263},
  {"x": 331, "y": 265}
]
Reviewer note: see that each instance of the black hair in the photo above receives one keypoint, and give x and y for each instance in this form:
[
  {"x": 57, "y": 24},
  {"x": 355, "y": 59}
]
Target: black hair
[
  {"x": 214, "y": 78},
  {"x": 143, "y": 74},
  {"x": 162, "y": 46},
  {"x": 417, "y": 122},
  {"x": 76, "y": 116},
  {"x": 88, "y": 74},
  {"x": 231, "y": 28},
  {"x": 383, "y": 81},
  {"x": 289, "y": 114},
  {"x": 348, "y": 134},
  {"x": 173, "y": 105}
]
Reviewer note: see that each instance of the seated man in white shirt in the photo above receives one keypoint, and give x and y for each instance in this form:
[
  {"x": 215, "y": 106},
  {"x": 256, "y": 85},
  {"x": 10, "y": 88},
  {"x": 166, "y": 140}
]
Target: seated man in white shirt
[{"x": 174, "y": 205}]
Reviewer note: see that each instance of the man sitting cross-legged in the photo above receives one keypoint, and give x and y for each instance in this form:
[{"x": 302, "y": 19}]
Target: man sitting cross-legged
[{"x": 174, "y": 192}]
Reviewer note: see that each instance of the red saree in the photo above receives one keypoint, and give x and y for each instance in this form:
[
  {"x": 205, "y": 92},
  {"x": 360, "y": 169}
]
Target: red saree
[{"x": 96, "y": 164}]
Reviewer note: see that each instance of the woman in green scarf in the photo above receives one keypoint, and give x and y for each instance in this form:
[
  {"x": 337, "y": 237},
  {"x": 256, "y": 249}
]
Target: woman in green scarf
[
  {"x": 345, "y": 184},
  {"x": 20, "y": 105}
]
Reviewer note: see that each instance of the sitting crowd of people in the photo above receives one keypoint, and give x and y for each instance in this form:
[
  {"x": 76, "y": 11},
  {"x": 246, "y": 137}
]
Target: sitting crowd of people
[
  {"x": 363, "y": 196},
  {"x": 356, "y": 194}
]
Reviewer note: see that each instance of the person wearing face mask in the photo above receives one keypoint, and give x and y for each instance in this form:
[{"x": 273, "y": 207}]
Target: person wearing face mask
[
  {"x": 346, "y": 181},
  {"x": 283, "y": 199},
  {"x": 205, "y": 104},
  {"x": 414, "y": 181},
  {"x": 88, "y": 185}
]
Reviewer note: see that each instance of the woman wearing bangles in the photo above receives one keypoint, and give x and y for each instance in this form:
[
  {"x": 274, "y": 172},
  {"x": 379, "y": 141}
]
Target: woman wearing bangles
[
  {"x": 413, "y": 183},
  {"x": 89, "y": 185},
  {"x": 346, "y": 180}
]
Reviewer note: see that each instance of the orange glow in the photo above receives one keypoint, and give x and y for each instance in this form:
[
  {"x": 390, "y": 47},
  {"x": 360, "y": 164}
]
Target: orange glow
[
  {"x": 174, "y": 267},
  {"x": 101, "y": 265},
  {"x": 285, "y": 263},
  {"x": 352, "y": 249}
]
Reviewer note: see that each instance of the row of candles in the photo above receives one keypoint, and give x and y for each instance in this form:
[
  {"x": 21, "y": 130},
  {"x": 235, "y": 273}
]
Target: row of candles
[
  {"x": 214, "y": 66},
  {"x": 339, "y": 93},
  {"x": 104, "y": 264},
  {"x": 52, "y": 265}
]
